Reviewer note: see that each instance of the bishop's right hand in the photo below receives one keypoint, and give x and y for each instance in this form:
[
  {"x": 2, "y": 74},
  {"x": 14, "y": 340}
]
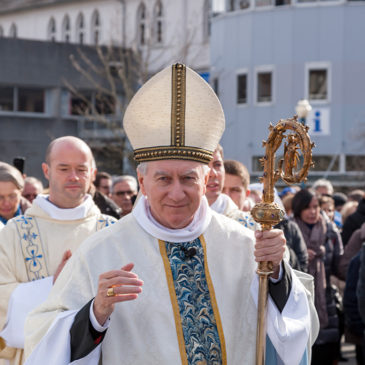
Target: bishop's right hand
[{"x": 115, "y": 286}]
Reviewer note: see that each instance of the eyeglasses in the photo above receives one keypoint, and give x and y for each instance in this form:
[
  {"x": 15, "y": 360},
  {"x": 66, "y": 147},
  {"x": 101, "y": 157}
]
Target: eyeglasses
[
  {"x": 121, "y": 193},
  {"x": 11, "y": 197},
  {"x": 30, "y": 196}
]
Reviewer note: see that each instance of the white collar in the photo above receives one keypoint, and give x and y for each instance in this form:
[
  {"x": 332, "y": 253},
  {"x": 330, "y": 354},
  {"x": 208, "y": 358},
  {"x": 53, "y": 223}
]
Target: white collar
[
  {"x": 69, "y": 214},
  {"x": 220, "y": 205},
  {"x": 201, "y": 220}
]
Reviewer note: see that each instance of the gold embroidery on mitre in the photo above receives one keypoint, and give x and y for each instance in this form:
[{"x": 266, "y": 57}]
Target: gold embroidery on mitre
[
  {"x": 172, "y": 152},
  {"x": 178, "y": 100},
  {"x": 177, "y": 148}
]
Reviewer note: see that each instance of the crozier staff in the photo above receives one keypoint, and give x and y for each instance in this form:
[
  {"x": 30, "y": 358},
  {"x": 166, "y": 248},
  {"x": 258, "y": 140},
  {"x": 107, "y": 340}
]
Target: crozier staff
[{"x": 196, "y": 267}]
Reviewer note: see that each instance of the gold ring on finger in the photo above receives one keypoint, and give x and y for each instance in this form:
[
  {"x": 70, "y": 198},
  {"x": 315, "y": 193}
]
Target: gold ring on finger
[{"x": 110, "y": 292}]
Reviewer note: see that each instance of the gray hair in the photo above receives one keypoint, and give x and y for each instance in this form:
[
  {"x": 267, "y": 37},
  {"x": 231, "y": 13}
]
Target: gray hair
[
  {"x": 33, "y": 181},
  {"x": 323, "y": 183},
  {"x": 128, "y": 178},
  {"x": 142, "y": 168},
  {"x": 10, "y": 173}
]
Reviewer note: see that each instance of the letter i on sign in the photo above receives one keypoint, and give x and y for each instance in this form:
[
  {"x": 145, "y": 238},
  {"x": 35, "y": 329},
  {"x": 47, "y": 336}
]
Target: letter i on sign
[{"x": 317, "y": 121}]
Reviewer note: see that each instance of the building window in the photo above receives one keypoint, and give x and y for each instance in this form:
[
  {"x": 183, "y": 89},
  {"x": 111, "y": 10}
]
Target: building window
[
  {"x": 31, "y": 100},
  {"x": 6, "y": 98},
  {"x": 13, "y": 33},
  {"x": 80, "y": 103},
  {"x": 325, "y": 163},
  {"x": 158, "y": 23},
  {"x": 141, "y": 24},
  {"x": 242, "y": 89},
  {"x": 207, "y": 12},
  {"x": 51, "y": 31},
  {"x": 264, "y": 87},
  {"x": 86, "y": 103},
  {"x": 80, "y": 29},
  {"x": 66, "y": 29},
  {"x": 238, "y": 4},
  {"x": 318, "y": 84},
  {"x": 260, "y": 3},
  {"x": 355, "y": 163},
  {"x": 104, "y": 104},
  {"x": 22, "y": 99},
  {"x": 243, "y": 4},
  {"x": 95, "y": 28}
]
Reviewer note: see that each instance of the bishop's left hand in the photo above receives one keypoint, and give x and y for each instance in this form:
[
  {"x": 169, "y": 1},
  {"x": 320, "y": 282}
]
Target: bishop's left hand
[{"x": 270, "y": 246}]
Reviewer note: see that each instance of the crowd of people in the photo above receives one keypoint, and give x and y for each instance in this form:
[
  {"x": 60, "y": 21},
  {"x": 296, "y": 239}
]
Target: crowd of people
[
  {"x": 59, "y": 297},
  {"x": 317, "y": 227}
]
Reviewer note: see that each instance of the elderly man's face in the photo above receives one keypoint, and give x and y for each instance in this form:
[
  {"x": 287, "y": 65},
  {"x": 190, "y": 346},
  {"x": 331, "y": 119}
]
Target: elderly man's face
[
  {"x": 174, "y": 189},
  {"x": 31, "y": 191},
  {"x": 122, "y": 195}
]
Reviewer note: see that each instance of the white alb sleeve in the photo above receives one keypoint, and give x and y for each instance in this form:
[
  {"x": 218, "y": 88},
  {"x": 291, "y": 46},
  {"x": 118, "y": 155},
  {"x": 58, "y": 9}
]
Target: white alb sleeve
[
  {"x": 24, "y": 298},
  {"x": 290, "y": 330},
  {"x": 55, "y": 346},
  {"x": 94, "y": 321}
]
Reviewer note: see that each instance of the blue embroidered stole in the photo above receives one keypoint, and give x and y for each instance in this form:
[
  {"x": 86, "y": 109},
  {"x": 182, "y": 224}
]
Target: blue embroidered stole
[
  {"x": 32, "y": 245},
  {"x": 197, "y": 319}
]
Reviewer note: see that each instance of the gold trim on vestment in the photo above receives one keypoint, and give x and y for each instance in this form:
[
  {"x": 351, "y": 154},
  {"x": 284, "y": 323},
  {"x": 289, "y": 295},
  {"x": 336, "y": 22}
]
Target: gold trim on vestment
[
  {"x": 2, "y": 344},
  {"x": 214, "y": 303},
  {"x": 174, "y": 303},
  {"x": 171, "y": 152}
]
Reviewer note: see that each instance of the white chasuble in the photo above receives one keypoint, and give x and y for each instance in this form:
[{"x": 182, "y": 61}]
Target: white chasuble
[{"x": 160, "y": 326}]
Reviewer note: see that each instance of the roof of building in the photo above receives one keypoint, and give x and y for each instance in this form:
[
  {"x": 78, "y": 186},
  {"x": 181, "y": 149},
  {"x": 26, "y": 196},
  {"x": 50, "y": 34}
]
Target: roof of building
[{"x": 9, "y": 6}]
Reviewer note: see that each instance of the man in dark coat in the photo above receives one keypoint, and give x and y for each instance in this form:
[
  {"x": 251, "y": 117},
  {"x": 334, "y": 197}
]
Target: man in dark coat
[{"x": 353, "y": 222}]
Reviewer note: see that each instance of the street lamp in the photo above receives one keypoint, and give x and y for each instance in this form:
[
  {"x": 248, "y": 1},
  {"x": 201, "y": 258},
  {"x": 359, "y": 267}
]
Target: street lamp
[{"x": 302, "y": 109}]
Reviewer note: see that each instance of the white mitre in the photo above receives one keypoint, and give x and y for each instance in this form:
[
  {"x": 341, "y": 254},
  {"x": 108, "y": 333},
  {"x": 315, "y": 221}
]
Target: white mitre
[{"x": 175, "y": 115}]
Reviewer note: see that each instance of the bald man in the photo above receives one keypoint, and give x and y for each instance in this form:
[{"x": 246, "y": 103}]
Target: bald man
[{"x": 35, "y": 247}]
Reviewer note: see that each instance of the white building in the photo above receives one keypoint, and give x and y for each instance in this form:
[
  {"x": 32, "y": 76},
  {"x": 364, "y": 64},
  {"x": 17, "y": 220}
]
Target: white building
[{"x": 166, "y": 30}]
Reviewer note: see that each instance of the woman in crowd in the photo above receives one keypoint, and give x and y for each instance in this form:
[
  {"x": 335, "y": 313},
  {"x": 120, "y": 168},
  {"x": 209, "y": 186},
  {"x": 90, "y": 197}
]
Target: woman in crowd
[
  {"x": 11, "y": 186},
  {"x": 324, "y": 247}
]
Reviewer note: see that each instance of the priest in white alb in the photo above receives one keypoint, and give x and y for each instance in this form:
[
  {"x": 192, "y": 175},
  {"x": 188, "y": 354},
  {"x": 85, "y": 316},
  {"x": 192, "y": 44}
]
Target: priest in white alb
[
  {"x": 35, "y": 246},
  {"x": 174, "y": 282}
]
